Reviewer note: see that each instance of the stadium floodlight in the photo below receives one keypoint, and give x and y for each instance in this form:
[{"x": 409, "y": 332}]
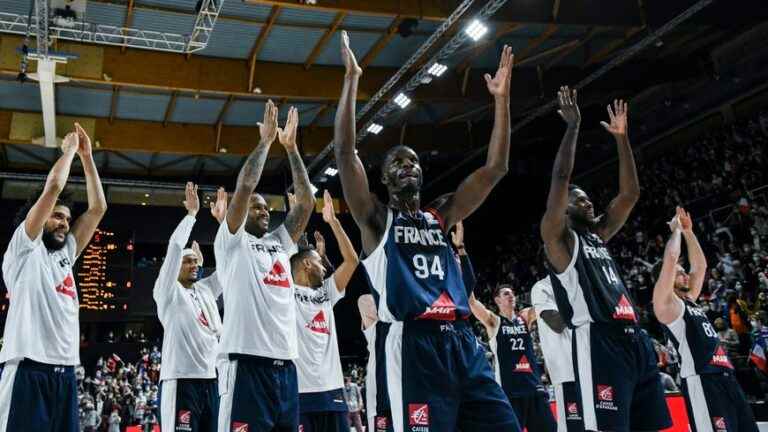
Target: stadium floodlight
[
  {"x": 330, "y": 171},
  {"x": 375, "y": 128},
  {"x": 402, "y": 100},
  {"x": 437, "y": 69},
  {"x": 476, "y": 30}
]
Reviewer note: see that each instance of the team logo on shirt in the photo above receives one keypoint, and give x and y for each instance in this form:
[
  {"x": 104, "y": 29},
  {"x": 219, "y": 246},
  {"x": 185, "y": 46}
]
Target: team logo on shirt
[
  {"x": 183, "y": 421},
  {"x": 319, "y": 324},
  {"x": 624, "y": 310},
  {"x": 382, "y": 424},
  {"x": 301, "y": 428},
  {"x": 720, "y": 358},
  {"x": 605, "y": 398},
  {"x": 719, "y": 424},
  {"x": 572, "y": 411},
  {"x": 523, "y": 365},
  {"x": 442, "y": 309},
  {"x": 239, "y": 427},
  {"x": 278, "y": 276},
  {"x": 418, "y": 417},
  {"x": 201, "y": 319},
  {"x": 67, "y": 287}
]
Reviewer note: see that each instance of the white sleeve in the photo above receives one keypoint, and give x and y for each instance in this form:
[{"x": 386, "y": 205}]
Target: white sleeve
[
  {"x": 542, "y": 300},
  {"x": 169, "y": 271},
  {"x": 333, "y": 291},
  {"x": 21, "y": 244},
  {"x": 224, "y": 243},
  {"x": 212, "y": 283},
  {"x": 289, "y": 246},
  {"x": 70, "y": 244}
]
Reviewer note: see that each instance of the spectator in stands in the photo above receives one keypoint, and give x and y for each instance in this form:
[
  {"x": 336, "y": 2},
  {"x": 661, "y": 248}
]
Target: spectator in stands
[
  {"x": 354, "y": 402},
  {"x": 114, "y": 421},
  {"x": 728, "y": 337},
  {"x": 91, "y": 418}
]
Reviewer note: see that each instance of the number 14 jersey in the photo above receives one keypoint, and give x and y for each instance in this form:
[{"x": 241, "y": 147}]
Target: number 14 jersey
[{"x": 413, "y": 271}]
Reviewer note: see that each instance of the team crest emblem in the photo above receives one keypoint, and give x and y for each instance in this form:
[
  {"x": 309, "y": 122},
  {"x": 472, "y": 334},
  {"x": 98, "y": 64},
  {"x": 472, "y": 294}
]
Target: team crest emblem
[{"x": 418, "y": 417}]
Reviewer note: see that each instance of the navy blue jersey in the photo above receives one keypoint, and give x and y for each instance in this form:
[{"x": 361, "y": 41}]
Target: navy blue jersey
[
  {"x": 697, "y": 342},
  {"x": 516, "y": 367},
  {"x": 414, "y": 270},
  {"x": 591, "y": 289}
]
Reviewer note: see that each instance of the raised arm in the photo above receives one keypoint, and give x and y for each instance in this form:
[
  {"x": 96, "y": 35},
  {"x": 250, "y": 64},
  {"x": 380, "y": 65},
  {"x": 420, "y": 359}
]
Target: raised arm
[
  {"x": 298, "y": 215},
  {"x": 554, "y": 231},
  {"x": 482, "y": 313},
  {"x": 467, "y": 270},
  {"x": 629, "y": 186},
  {"x": 250, "y": 173},
  {"x": 366, "y": 210},
  {"x": 54, "y": 184},
  {"x": 169, "y": 271},
  {"x": 696, "y": 257},
  {"x": 666, "y": 306},
  {"x": 473, "y": 191},
  {"x": 219, "y": 207},
  {"x": 344, "y": 272},
  {"x": 86, "y": 224}
]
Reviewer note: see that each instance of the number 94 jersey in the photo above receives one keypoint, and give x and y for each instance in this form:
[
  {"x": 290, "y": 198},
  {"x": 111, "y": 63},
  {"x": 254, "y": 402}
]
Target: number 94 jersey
[{"x": 413, "y": 271}]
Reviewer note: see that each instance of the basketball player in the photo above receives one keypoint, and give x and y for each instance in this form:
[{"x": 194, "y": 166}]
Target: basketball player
[
  {"x": 38, "y": 389},
  {"x": 257, "y": 377},
  {"x": 555, "y": 338},
  {"x": 713, "y": 397},
  {"x": 617, "y": 376},
  {"x": 437, "y": 375},
  {"x": 186, "y": 306},
  {"x": 515, "y": 363},
  {"x": 321, "y": 382}
]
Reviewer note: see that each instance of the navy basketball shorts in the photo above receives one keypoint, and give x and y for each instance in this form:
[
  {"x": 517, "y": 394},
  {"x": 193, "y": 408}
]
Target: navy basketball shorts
[
  {"x": 189, "y": 405},
  {"x": 618, "y": 378},
  {"x": 38, "y": 397},
  {"x": 323, "y": 412},
  {"x": 533, "y": 412},
  {"x": 439, "y": 379},
  {"x": 568, "y": 405},
  {"x": 716, "y": 403},
  {"x": 376, "y": 395},
  {"x": 258, "y": 395}
]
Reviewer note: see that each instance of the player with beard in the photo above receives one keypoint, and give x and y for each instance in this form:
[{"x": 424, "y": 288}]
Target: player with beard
[
  {"x": 321, "y": 382},
  {"x": 516, "y": 365},
  {"x": 41, "y": 340},
  {"x": 713, "y": 397},
  {"x": 257, "y": 376},
  {"x": 186, "y": 306},
  {"x": 616, "y": 373},
  {"x": 437, "y": 375}
]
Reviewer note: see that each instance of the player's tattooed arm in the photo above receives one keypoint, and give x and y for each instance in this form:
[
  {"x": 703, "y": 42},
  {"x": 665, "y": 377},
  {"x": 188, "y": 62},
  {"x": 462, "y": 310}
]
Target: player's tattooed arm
[
  {"x": 554, "y": 230},
  {"x": 298, "y": 216},
  {"x": 368, "y": 213},
  {"x": 250, "y": 173},
  {"x": 473, "y": 191},
  {"x": 618, "y": 210},
  {"x": 482, "y": 313},
  {"x": 665, "y": 304}
]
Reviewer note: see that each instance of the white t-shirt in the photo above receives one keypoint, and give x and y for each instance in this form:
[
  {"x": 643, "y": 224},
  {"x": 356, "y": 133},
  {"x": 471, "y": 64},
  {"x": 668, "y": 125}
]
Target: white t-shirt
[
  {"x": 190, "y": 343},
  {"x": 319, "y": 365},
  {"x": 556, "y": 347},
  {"x": 259, "y": 311},
  {"x": 43, "y": 315}
]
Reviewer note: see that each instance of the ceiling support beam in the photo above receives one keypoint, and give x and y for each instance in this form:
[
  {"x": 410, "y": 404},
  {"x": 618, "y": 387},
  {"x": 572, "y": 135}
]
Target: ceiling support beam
[
  {"x": 320, "y": 45},
  {"x": 169, "y": 109},
  {"x": 113, "y": 103},
  {"x": 590, "y": 34},
  {"x": 380, "y": 44},
  {"x": 259, "y": 44},
  {"x": 483, "y": 46},
  {"x": 127, "y": 22},
  {"x": 609, "y": 49}
]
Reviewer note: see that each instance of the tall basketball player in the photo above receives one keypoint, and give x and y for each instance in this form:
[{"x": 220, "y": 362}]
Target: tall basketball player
[
  {"x": 713, "y": 397},
  {"x": 321, "y": 382},
  {"x": 437, "y": 375},
  {"x": 38, "y": 390},
  {"x": 186, "y": 307},
  {"x": 257, "y": 379},
  {"x": 617, "y": 376},
  {"x": 515, "y": 362}
]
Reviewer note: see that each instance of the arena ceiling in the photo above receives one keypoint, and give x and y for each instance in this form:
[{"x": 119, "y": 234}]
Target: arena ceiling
[{"x": 174, "y": 116}]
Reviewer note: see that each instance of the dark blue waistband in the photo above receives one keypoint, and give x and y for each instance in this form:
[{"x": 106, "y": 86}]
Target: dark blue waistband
[
  {"x": 617, "y": 329},
  {"x": 436, "y": 326},
  {"x": 47, "y": 368},
  {"x": 261, "y": 361}
]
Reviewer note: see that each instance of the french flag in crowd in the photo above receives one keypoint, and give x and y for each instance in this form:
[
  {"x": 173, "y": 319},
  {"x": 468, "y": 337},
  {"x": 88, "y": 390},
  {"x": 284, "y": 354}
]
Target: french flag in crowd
[{"x": 757, "y": 356}]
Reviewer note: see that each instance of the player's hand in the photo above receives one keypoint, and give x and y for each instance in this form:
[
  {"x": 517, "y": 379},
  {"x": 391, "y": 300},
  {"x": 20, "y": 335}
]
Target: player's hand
[
  {"x": 457, "y": 236},
  {"x": 192, "y": 201},
  {"x": 499, "y": 85},
  {"x": 618, "y": 116},
  {"x": 291, "y": 200},
  {"x": 348, "y": 57},
  {"x": 84, "y": 149},
  {"x": 674, "y": 224},
  {"x": 320, "y": 244},
  {"x": 70, "y": 144},
  {"x": 198, "y": 252},
  {"x": 219, "y": 208},
  {"x": 569, "y": 106},
  {"x": 268, "y": 128},
  {"x": 287, "y": 135},
  {"x": 686, "y": 224},
  {"x": 329, "y": 215}
]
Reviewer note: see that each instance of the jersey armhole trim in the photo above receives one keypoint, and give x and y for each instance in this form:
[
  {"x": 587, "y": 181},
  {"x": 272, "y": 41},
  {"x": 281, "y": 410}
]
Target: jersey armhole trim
[
  {"x": 384, "y": 235},
  {"x": 682, "y": 312},
  {"x": 495, "y": 329},
  {"x": 574, "y": 254}
]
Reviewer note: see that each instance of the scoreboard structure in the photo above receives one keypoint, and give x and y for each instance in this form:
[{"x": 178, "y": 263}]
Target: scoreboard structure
[{"x": 104, "y": 274}]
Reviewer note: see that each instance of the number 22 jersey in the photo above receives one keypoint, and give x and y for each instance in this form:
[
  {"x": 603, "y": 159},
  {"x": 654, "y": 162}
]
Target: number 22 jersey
[{"x": 413, "y": 271}]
